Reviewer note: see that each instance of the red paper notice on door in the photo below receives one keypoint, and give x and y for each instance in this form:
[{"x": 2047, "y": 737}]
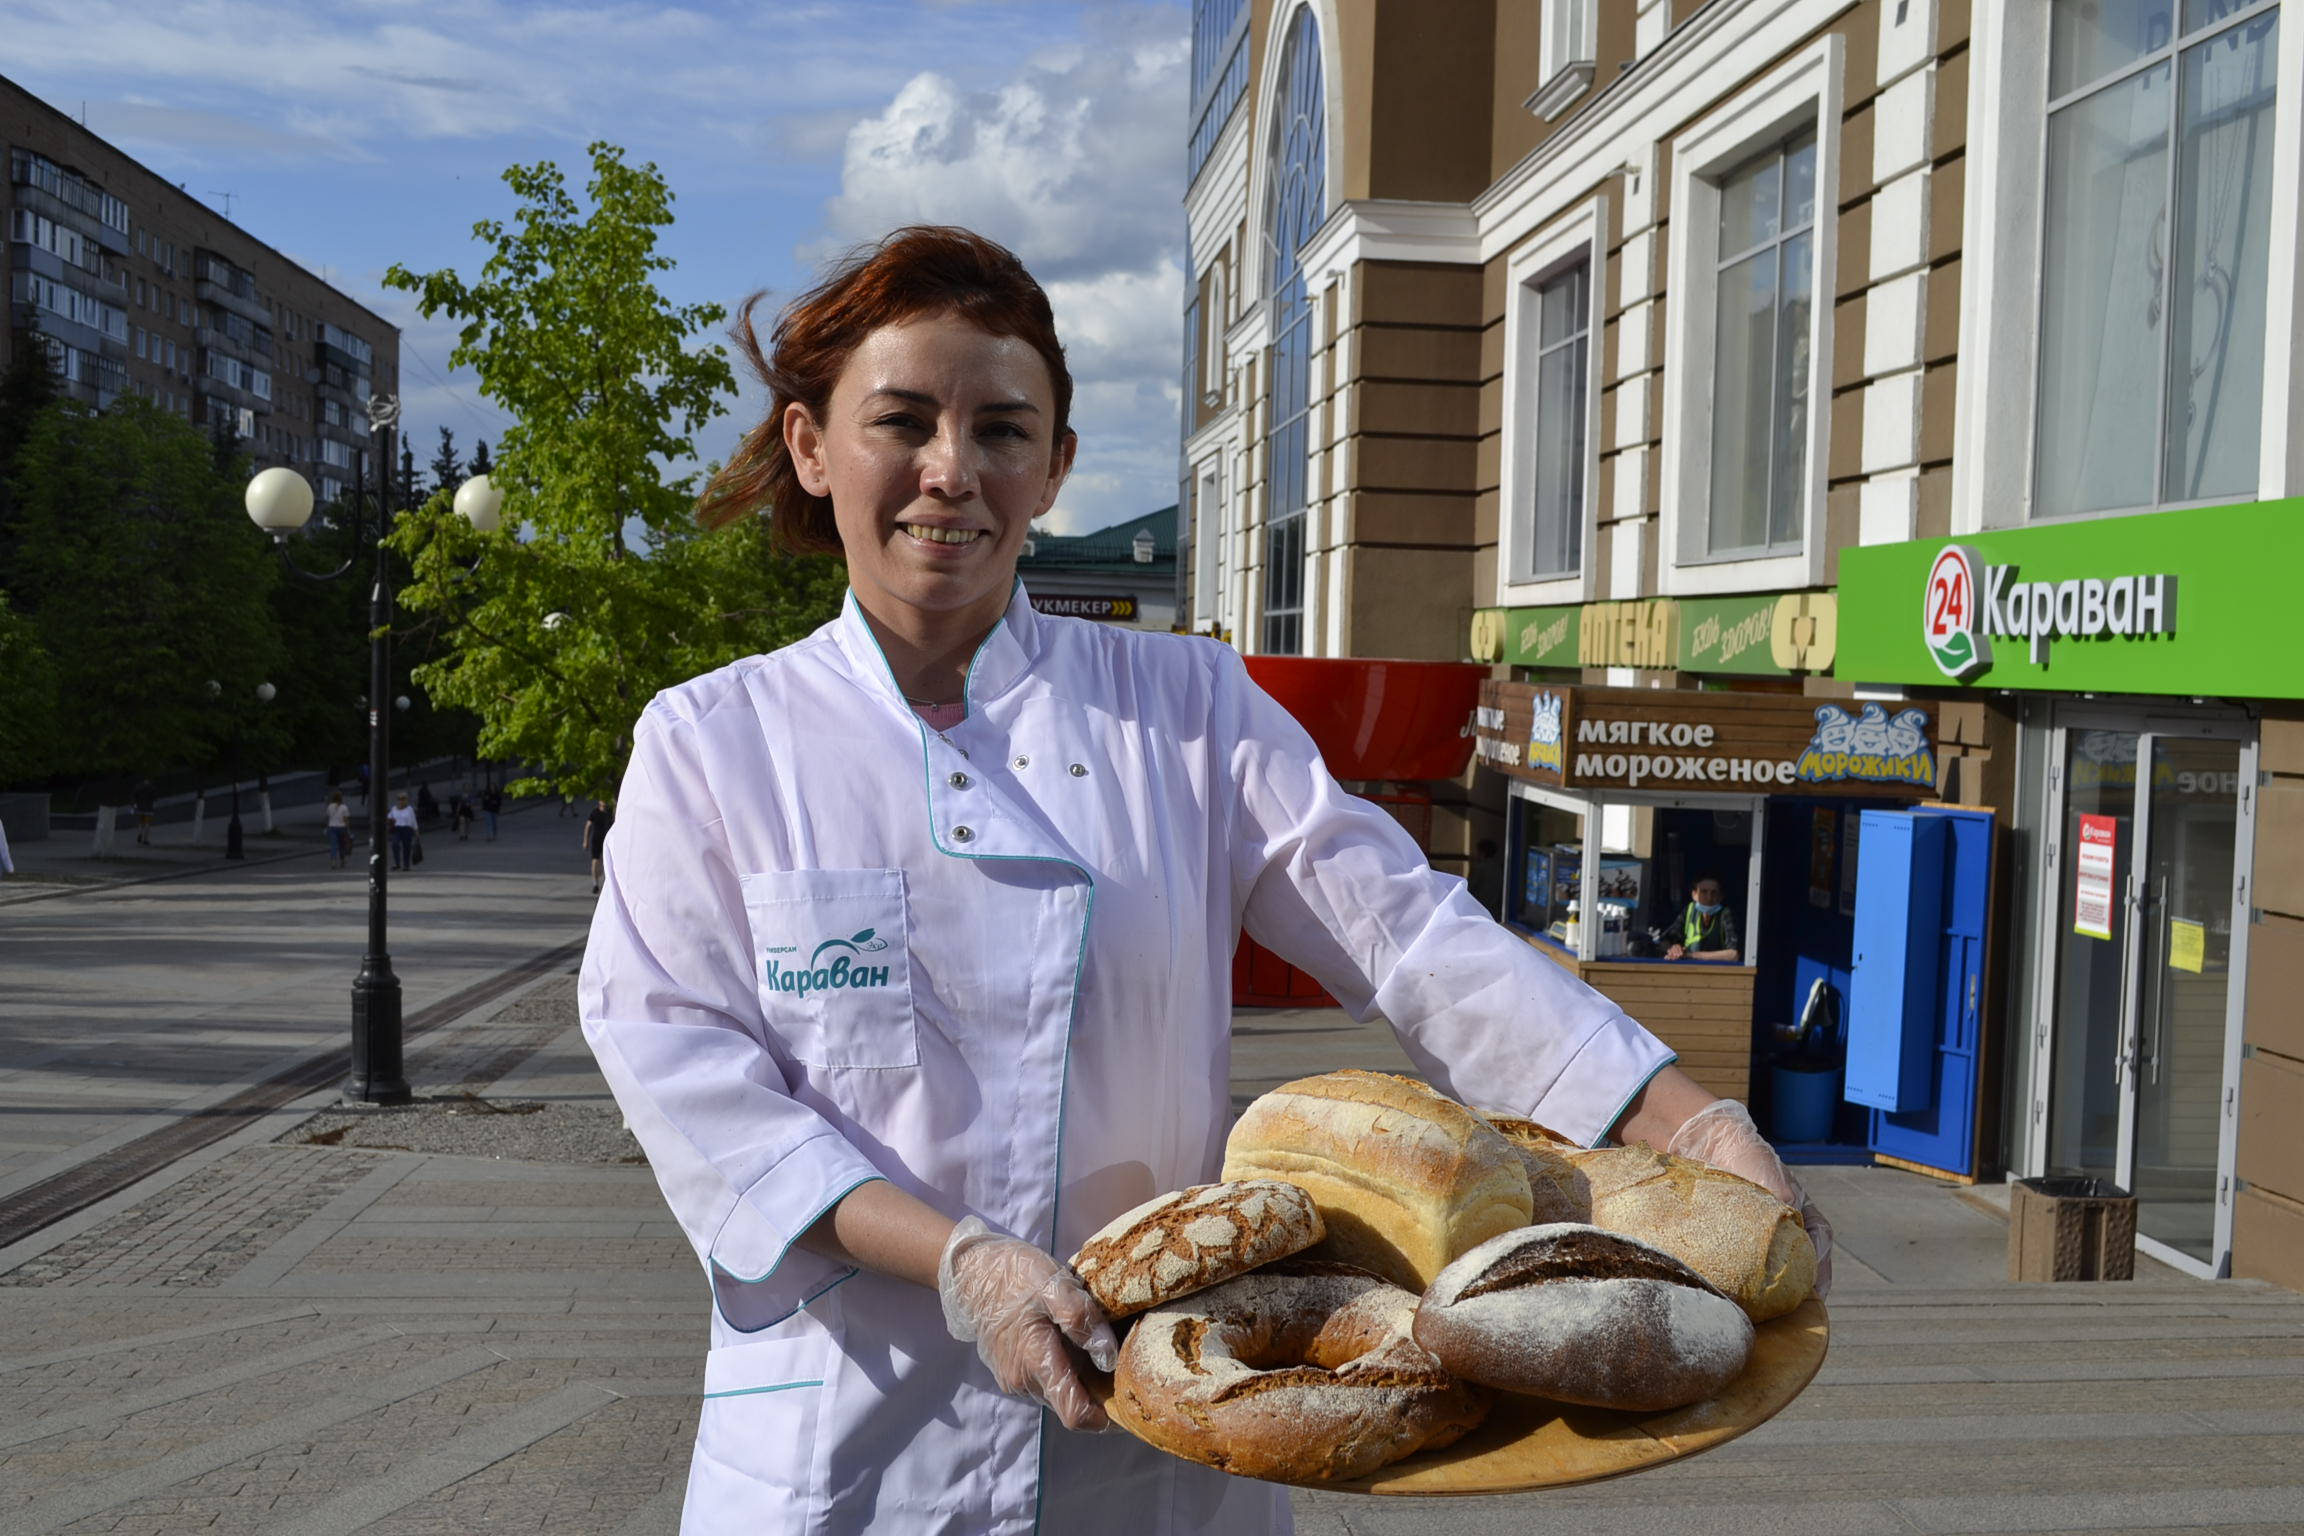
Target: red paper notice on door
[{"x": 2092, "y": 876}]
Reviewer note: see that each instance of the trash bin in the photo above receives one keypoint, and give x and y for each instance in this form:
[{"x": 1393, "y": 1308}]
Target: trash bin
[
  {"x": 1806, "y": 1097},
  {"x": 2071, "y": 1229}
]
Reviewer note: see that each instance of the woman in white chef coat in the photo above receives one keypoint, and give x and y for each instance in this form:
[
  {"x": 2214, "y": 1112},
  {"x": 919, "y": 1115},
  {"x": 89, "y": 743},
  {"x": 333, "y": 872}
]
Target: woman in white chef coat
[{"x": 913, "y": 965}]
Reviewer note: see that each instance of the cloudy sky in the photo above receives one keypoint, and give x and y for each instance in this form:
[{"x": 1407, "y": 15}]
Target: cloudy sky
[{"x": 356, "y": 133}]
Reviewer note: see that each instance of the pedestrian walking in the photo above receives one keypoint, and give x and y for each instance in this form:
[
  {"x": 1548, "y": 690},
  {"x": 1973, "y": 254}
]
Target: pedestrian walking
[
  {"x": 146, "y": 808},
  {"x": 462, "y": 816},
  {"x": 7, "y": 860},
  {"x": 596, "y": 828},
  {"x": 491, "y": 806},
  {"x": 427, "y": 808},
  {"x": 363, "y": 786},
  {"x": 402, "y": 817},
  {"x": 339, "y": 829},
  {"x": 1017, "y": 869}
]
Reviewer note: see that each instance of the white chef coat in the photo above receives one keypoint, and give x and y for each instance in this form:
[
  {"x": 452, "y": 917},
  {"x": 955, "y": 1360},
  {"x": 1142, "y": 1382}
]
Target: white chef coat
[{"x": 993, "y": 966}]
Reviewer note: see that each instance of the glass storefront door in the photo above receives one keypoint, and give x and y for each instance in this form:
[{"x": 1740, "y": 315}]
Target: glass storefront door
[{"x": 2148, "y": 888}]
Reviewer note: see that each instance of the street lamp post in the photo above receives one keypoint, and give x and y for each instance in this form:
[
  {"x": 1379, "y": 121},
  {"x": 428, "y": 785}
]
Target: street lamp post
[
  {"x": 280, "y": 502},
  {"x": 234, "y": 845}
]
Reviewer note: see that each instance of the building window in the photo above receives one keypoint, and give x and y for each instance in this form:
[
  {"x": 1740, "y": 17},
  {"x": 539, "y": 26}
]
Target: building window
[
  {"x": 2156, "y": 229},
  {"x": 1566, "y": 51},
  {"x": 1761, "y": 367},
  {"x": 1294, "y": 211},
  {"x": 1561, "y": 444},
  {"x": 1219, "y": 74}
]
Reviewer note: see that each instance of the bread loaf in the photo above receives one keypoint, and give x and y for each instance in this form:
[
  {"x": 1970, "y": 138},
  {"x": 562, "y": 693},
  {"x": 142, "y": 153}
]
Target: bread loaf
[
  {"x": 1192, "y": 1239},
  {"x": 1729, "y": 1230},
  {"x": 1557, "y": 1188},
  {"x": 1579, "y": 1315},
  {"x": 1405, "y": 1177},
  {"x": 1300, "y": 1372}
]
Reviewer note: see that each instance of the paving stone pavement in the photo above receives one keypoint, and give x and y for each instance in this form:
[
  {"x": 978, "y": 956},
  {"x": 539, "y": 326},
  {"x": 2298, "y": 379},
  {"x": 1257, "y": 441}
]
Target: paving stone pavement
[{"x": 330, "y": 1338}]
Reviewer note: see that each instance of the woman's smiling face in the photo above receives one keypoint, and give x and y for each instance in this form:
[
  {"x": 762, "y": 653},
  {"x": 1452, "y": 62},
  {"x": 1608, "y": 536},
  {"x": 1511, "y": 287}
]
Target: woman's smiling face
[{"x": 938, "y": 449}]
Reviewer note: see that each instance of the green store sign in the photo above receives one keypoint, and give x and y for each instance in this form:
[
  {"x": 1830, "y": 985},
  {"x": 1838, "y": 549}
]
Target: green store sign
[
  {"x": 1757, "y": 635},
  {"x": 2163, "y": 602}
]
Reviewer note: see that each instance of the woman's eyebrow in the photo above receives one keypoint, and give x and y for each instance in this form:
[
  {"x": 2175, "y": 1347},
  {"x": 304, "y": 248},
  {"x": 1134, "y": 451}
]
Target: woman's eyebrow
[{"x": 922, "y": 397}]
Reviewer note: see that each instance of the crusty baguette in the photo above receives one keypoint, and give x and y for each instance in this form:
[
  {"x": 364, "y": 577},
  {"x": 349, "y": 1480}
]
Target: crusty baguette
[
  {"x": 1405, "y": 1177},
  {"x": 1729, "y": 1230},
  {"x": 1191, "y": 1239}
]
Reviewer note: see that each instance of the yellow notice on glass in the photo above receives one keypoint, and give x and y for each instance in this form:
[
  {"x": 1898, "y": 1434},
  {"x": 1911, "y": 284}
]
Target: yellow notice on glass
[{"x": 2187, "y": 945}]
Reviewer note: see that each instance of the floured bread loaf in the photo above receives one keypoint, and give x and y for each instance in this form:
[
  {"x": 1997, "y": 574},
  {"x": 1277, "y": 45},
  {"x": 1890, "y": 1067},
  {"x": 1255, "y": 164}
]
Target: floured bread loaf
[
  {"x": 1304, "y": 1372},
  {"x": 1579, "y": 1315},
  {"x": 1405, "y": 1177},
  {"x": 1192, "y": 1239},
  {"x": 1557, "y": 1189},
  {"x": 1729, "y": 1230}
]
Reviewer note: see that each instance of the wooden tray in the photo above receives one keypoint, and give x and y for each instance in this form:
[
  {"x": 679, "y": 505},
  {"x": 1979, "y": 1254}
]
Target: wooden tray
[{"x": 1530, "y": 1443}]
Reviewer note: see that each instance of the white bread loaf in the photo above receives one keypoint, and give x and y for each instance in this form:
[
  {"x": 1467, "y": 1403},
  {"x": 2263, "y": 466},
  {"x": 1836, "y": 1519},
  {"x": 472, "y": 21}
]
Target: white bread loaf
[
  {"x": 1191, "y": 1239},
  {"x": 1728, "y": 1229},
  {"x": 1557, "y": 1188},
  {"x": 1579, "y": 1315},
  {"x": 1405, "y": 1177}
]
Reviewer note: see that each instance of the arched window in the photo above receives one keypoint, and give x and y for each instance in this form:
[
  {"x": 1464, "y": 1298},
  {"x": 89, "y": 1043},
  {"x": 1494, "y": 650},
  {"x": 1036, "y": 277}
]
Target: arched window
[{"x": 1297, "y": 206}]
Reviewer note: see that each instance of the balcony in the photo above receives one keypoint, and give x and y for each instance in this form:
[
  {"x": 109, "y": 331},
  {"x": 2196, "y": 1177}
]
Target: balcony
[{"x": 246, "y": 305}]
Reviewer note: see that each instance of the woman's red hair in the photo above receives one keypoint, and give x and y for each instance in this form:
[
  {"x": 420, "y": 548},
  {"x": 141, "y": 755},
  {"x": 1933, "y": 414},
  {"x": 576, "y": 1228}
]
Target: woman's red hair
[{"x": 923, "y": 269}]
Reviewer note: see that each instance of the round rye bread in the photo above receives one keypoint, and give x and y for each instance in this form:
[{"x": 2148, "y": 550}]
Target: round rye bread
[
  {"x": 1302, "y": 1372},
  {"x": 1728, "y": 1229},
  {"x": 1192, "y": 1239},
  {"x": 1405, "y": 1177},
  {"x": 1579, "y": 1315}
]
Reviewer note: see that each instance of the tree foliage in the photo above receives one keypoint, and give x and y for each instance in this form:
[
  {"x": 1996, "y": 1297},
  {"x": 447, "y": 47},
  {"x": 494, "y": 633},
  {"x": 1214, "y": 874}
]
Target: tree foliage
[
  {"x": 136, "y": 565},
  {"x": 600, "y": 589}
]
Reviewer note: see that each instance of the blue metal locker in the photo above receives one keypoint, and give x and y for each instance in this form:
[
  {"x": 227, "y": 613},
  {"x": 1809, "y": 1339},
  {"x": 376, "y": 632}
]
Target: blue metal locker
[
  {"x": 1892, "y": 988},
  {"x": 1916, "y": 996}
]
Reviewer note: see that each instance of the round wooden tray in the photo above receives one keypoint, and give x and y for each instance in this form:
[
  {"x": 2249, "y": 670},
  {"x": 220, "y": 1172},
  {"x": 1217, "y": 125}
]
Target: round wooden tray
[{"x": 1527, "y": 1442}]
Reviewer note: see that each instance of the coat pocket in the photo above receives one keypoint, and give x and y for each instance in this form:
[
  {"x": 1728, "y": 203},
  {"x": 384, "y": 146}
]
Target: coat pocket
[
  {"x": 758, "y": 1437},
  {"x": 832, "y": 959}
]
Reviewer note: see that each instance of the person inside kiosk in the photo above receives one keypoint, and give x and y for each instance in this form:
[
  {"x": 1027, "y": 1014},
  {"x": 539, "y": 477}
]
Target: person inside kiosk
[{"x": 1707, "y": 928}]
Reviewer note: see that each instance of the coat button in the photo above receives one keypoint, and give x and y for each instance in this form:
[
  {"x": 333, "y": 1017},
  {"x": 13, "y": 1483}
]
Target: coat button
[
  {"x": 1079, "y": 770},
  {"x": 961, "y": 834},
  {"x": 958, "y": 781},
  {"x": 1022, "y": 762}
]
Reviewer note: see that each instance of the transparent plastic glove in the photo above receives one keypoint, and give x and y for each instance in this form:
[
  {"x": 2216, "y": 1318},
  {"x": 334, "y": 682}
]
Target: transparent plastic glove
[
  {"x": 1018, "y": 1306},
  {"x": 1722, "y": 1134}
]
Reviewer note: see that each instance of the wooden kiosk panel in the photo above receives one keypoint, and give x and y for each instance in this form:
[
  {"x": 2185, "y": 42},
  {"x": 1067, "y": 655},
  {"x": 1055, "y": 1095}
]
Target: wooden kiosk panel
[{"x": 1701, "y": 1009}]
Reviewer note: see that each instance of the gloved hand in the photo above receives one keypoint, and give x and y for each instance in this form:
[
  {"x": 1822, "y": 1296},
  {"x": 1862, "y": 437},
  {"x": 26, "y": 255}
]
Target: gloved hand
[
  {"x": 1722, "y": 1134},
  {"x": 1018, "y": 1306}
]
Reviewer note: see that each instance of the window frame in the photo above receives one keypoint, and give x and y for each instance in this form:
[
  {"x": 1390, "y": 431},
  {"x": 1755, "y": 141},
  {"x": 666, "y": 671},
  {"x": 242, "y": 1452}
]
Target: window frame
[
  {"x": 1581, "y": 236},
  {"x": 2169, "y": 55},
  {"x": 1997, "y": 390},
  {"x": 1805, "y": 94},
  {"x": 1567, "y": 55}
]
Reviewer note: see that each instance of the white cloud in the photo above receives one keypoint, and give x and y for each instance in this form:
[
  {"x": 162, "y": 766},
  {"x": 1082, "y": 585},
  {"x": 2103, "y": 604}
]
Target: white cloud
[{"x": 1075, "y": 161}]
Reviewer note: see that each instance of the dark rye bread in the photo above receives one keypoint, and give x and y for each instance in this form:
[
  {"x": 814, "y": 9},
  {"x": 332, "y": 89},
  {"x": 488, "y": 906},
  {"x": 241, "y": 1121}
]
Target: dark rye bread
[
  {"x": 1192, "y": 1239},
  {"x": 1579, "y": 1315},
  {"x": 1301, "y": 1372}
]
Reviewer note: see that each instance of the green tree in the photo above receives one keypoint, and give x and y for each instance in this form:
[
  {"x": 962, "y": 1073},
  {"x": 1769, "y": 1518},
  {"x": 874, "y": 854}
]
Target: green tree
[
  {"x": 27, "y": 699},
  {"x": 480, "y": 464},
  {"x": 144, "y": 583},
  {"x": 447, "y": 471},
  {"x": 558, "y": 629}
]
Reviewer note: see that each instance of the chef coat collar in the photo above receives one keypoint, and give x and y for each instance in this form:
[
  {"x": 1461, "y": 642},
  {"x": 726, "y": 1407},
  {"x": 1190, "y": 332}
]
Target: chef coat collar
[{"x": 1005, "y": 655}]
